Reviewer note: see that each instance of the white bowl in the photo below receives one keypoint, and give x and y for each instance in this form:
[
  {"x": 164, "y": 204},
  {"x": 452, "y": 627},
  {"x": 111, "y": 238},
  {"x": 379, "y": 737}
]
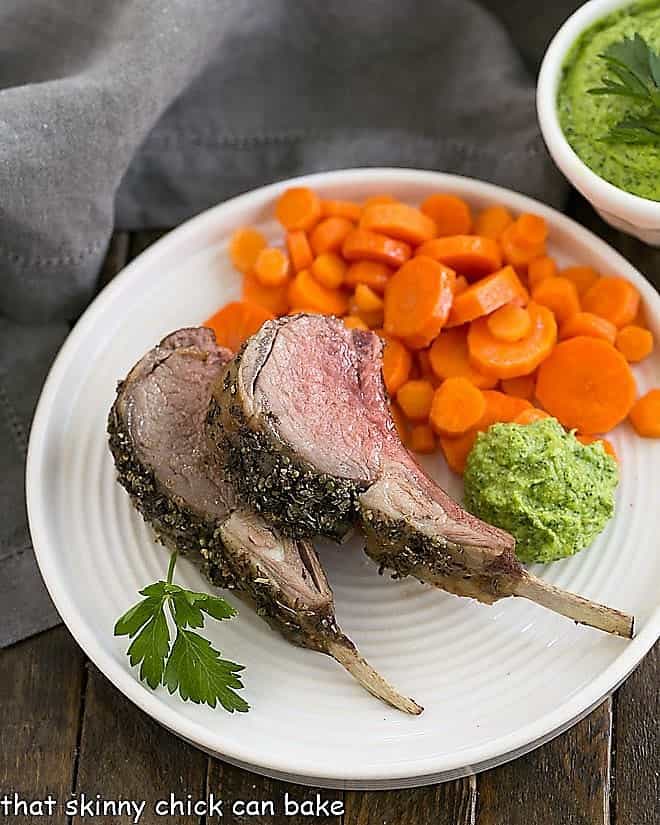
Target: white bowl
[
  {"x": 630, "y": 213},
  {"x": 495, "y": 681}
]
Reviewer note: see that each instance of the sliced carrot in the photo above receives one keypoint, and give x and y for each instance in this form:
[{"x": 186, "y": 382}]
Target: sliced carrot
[
  {"x": 398, "y": 220},
  {"x": 501, "y": 359},
  {"x": 510, "y": 323},
  {"x": 415, "y": 397},
  {"x": 594, "y": 439},
  {"x": 524, "y": 241},
  {"x": 273, "y": 299},
  {"x": 586, "y": 323},
  {"x": 236, "y": 322},
  {"x": 423, "y": 361},
  {"x": 329, "y": 269},
  {"x": 368, "y": 305},
  {"x": 457, "y": 407},
  {"x": 451, "y": 215},
  {"x": 306, "y": 292},
  {"x": 471, "y": 255},
  {"x": 586, "y": 384},
  {"x": 645, "y": 415},
  {"x": 449, "y": 357},
  {"x": 300, "y": 252},
  {"x": 520, "y": 387},
  {"x": 492, "y": 221},
  {"x": 460, "y": 285},
  {"x": 539, "y": 269},
  {"x": 530, "y": 415},
  {"x": 422, "y": 439},
  {"x": 329, "y": 234},
  {"x": 372, "y": 246},
  {"x": 372, "y": 273},
  {"x": 244, "y": 246},
  {"x": 298, "y": 208},
  {"x": 501, "y": 408},
  {"x": 417, "y": 301},
  {"x": 341, "y": 209},
  {"x": 613, "y": 298},
  {"x": 401, "y": 424},
  {"x": 271, "y": 267},
  {"x": 457, "y": 450},
  {"x": 397, "y": 362},
  {"x": 583, "y": 277},
  {"x": 379, "y": 199},
  {"x": 559, "y": 295},
  {"x": 354, "y": 322},
  {"x": 486, "y": 295},
  {"x": 634, "y": 343},
  {"x": 530, "y": 231}
]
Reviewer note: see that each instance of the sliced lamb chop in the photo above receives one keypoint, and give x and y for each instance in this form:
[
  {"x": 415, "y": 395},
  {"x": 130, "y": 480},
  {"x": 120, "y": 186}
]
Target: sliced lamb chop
[
  {"x": 302, "y": 417},
  {"x": 157, "y": 438}
]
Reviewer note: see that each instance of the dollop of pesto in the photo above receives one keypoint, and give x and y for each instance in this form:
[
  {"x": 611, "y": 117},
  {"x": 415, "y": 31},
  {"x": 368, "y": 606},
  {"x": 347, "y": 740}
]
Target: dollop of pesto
[
  {"x": 552, "y": 493},
  {"x": 587, "y": 119}
]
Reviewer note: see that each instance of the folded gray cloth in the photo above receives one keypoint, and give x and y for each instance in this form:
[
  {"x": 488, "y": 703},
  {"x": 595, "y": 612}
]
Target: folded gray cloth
[{"x": 139, "y": 113}]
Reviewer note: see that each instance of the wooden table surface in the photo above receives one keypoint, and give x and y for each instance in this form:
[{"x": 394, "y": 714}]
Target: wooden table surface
[{"x": 64, "y": 729}]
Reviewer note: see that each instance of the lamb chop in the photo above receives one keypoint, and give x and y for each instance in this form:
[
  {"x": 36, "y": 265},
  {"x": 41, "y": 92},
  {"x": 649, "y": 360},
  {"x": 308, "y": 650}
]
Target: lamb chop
[
  {"x": 301, "y": 415},
  {"x": 156, "y": 429}
]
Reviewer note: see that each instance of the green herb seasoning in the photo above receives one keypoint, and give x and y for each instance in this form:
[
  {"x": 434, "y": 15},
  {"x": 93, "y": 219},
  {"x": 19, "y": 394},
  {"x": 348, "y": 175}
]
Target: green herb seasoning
[
  {"x": 614, "y": 133},
  {"x": 552, "y": 493}
]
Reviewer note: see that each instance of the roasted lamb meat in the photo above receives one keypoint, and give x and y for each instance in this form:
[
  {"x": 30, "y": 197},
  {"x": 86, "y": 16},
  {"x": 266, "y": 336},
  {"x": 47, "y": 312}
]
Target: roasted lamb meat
[
  {"x": 302, "y": 420},
  {"x": 157, "y": 438}
]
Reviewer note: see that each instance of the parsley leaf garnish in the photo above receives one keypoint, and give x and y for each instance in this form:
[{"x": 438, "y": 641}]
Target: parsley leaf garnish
[
  {"x": 191, "y": 665},
  {"x": 633, "y": 72}
]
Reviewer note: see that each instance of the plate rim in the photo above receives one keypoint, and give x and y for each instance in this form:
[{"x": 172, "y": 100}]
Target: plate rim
[{"x": 410, "y": 771}]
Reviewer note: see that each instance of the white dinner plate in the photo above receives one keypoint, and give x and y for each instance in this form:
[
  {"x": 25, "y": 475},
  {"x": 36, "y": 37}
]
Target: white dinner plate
[{"x": 495, "y": 681}]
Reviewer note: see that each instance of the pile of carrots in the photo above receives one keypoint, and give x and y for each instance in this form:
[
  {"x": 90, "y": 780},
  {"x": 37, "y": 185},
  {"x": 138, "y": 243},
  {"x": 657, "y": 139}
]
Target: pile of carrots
[{"x": 479, "y": 323}]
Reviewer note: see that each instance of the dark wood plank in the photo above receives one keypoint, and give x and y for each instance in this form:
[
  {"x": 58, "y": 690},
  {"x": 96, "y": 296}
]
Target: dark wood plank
[
  {"x": 116, "y": 258},
  {"x": 234, "y": 785},
  {"x": 40, "y": 719},
  {"x": 452, "y": 803},
  {"x": 636, "y": 795},
  {"x": 125, "y": 755},
  {"x": 565, "y": 782}
]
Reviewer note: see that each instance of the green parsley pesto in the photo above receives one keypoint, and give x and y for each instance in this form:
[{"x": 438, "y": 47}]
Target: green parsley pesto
[
  {"x": 552, "y": 493},
  {"x": 587, "y": 119}
]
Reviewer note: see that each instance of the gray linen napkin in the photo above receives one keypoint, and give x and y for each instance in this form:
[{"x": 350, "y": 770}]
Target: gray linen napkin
[{"x": 140, "y": 113}]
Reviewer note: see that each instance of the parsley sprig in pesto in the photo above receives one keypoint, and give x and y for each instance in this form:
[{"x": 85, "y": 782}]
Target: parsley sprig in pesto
[
  {"x": 633, "y": 72},
  {"x": 191, "y": 665}
]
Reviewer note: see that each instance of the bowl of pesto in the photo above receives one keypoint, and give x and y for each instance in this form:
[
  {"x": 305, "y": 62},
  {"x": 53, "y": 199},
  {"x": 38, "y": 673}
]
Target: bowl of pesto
[{"x": 598, "y": 101}]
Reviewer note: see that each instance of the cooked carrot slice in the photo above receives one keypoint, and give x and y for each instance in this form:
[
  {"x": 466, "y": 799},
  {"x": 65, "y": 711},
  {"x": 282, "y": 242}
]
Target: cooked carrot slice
[
  {"x": 306, "y": 292},
  {"x": 449, "y": 357},
  {"x": 271, "y": 267},
  {"x": 583, "y": 277},
  {"x": 236, "y": 322},
  {"x": 559, "y": 295},
  {"x": 510, "y": 322},
  {"x": 341, "y": 209},
  {"x": 273, "y": 299},
  {"x": 501, "y": 408},
  {"x": 397, "y": 362},
  {"x": 329, "y": 269},
  {"x": 524, "y": 241},
  {"x": 634, "y": 343},
  {"x": 457, "y": 407},
  {"x": 372, "y": 273},
  {"x": 298, "y": 208},
  {"x": 509, "y": 360},
  {"x": 530, "y": 415},
  {"x": 456, "y": 450},
  {"x": 539, "y": 269},
  {"x": 398, "y": 220},
  {"x": 368, "y": 305},
  {"x": 417, "y": 301},
  {"x": 299, "y": 250},
  {"x": 521, "y": 387},
  {"x": 613, "y": 298},
  {"x": 379, "y": 199},
  {"x": 244, "y": 246},
  {"x": 372, "y": 246},
  {"x": 530, "y": 231},
  {"x": 422, "y": 439},
  {"x": 329, "y": 234},
  {"x": 451, "y": 215},
  {"x": 354, "y": 322},
  {"x": 492, "y": 221},
  {"x": 471, "y": 255},
  {"x": 400, "y": 423},
  {"x": 586, "y": 384},
  {"x": 415, "y": 397},
  {"x": 460, "y": 285},
  {"x": 423, "y": 361},
  {"x": 486, "y": 295},
  {"x": 591, "y": 439},
  {"x": 645, "y": 415},
  {"x": 586, "y": 323}
]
